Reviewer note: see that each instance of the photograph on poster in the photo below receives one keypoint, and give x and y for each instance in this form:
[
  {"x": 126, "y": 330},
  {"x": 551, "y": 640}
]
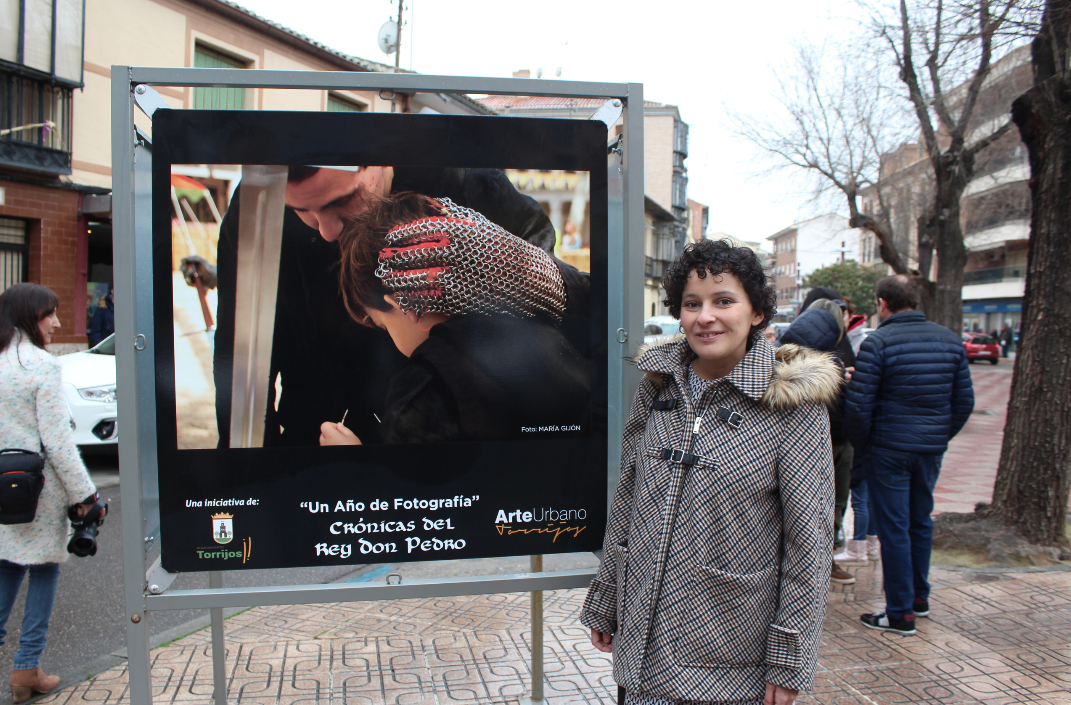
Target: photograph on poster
[
  {"x": 467, "y": 319},
  {"x": 382, "y": 331}
]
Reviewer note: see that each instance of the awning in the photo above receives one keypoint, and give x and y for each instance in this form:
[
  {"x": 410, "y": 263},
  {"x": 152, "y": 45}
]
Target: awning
[
  {"x": 185, "y": 187},
  {"x": 1006, "y": 306}
]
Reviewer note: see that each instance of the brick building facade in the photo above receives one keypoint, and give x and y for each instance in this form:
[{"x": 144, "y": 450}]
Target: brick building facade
[{"x": 55, "y": 235}]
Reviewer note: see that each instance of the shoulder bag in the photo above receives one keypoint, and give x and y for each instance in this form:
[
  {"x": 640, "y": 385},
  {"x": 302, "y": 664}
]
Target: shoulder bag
[{"x": 21, "y": 479}]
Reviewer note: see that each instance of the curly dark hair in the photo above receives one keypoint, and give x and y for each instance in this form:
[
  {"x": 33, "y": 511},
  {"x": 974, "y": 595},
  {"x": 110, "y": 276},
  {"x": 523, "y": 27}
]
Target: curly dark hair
[{"x": 716, "y": 257}]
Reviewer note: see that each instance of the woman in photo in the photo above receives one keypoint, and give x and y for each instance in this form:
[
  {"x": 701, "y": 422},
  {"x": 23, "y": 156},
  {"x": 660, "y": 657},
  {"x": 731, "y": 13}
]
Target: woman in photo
[
  {"x": 34, "y": 416},
  {"x": 487, "y": 360},
  {"x": 715, "y": 571}
]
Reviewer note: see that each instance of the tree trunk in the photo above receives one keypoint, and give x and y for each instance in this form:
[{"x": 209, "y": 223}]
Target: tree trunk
[
  {"x": 953, "y": 170},
  {"x": 1034, "y": 476},
  {"x": 947, "y": 307},
  {"x": 926, "y": 287}
]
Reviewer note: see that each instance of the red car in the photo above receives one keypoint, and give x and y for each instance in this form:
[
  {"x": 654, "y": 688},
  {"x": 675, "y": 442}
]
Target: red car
[{"x": 981, "y": 347}]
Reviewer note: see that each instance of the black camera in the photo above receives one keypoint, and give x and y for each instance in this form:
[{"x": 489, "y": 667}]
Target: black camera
[{"x": 86, "y": 528}]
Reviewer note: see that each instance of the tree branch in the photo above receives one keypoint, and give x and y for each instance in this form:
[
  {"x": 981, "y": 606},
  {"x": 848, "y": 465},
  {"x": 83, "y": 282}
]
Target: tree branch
[
  {"x": 911, "y": 80},
  {"x": 933, "y": 66},
  {"x": 987, "y": 27},
  {"x": 974, "y": 149}
]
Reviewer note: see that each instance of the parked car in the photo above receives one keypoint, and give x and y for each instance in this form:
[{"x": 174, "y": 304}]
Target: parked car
[
  {"x": 981, "y": 347},
  {"x": 89, "y": 388},
  {"x": 659, "y": 329}
]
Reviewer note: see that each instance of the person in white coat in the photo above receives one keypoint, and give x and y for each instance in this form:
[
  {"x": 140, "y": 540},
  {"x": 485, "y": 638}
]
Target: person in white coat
[{"x": 34, "y": 416}]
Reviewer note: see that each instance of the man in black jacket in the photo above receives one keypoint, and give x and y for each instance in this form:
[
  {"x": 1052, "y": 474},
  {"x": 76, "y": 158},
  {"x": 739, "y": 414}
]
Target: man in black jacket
[
  {"x": 325, "y": 366},
  {"x": 910, "y": 394}
]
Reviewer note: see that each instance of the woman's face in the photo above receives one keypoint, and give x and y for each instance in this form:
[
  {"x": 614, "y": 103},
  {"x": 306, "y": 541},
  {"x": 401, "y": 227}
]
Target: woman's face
[
  {"x": 47, "y": 326},
  {"x": 717, "y": 316},
  {"x": 405, "y": 329}
]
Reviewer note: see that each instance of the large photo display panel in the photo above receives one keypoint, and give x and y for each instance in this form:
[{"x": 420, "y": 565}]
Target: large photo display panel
[{"x": 380, "y": 337}]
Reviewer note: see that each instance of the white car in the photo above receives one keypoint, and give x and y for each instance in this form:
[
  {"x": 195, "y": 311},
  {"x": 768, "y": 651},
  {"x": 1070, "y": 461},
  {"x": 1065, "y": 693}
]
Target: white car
[
  {"x": 89, "y": 388},
  {"x": 660, "y": 329}
]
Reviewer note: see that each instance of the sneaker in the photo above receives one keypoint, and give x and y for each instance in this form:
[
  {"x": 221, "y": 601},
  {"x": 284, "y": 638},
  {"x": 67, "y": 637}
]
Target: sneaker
[
  {"x": 873, "y": 548},
  {"x": 885, "y": 623},
  {"x": 853, "y": 555},
  {"x": 922, "y": 607},
  {"x": 839, "y": 575}
]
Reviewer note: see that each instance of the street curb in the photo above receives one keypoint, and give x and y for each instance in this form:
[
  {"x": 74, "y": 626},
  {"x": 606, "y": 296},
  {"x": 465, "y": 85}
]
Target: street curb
[{"x": 1005, "y": 569}]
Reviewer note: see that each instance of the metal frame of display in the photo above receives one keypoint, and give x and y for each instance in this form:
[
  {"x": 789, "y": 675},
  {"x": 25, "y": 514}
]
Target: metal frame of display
[{"x": 145, "y": 583}]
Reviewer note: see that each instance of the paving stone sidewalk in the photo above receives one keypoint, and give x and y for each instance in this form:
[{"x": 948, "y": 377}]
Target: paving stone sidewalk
[
  {"x": 995, "y": 636},
  {"x": 969, "y": 467}
]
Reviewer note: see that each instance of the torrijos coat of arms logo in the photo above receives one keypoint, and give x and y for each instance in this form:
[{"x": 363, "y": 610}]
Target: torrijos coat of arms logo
[{"x": 222, "y": 529}]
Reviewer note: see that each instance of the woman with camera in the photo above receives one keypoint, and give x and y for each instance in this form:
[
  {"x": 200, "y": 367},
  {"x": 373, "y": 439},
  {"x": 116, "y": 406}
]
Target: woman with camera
[{"x": 34, "y": 417}]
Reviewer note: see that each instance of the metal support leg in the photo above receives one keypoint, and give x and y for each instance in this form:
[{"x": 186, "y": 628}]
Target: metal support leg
[
  {"x": 219, "y": 646},
  {"x": 139, "y": 661},
  {"x": 537, "y": 638}
]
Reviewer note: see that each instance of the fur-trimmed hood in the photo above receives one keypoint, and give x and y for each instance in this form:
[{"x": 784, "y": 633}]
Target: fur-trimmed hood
[
  {"x": 782, "y": 378},
  {"x": 801, "y": 374}
]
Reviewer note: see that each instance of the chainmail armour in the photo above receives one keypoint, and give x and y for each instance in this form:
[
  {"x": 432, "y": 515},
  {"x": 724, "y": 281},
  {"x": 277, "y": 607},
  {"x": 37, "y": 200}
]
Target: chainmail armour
[{"x": 461, "y": 262}]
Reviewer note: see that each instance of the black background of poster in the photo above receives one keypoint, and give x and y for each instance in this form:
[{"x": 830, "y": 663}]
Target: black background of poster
[{"x": 526, "y": 475}]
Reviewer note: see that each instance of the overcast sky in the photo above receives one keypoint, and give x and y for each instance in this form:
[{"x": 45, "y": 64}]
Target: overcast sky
[{"x": 698, "y": 55}]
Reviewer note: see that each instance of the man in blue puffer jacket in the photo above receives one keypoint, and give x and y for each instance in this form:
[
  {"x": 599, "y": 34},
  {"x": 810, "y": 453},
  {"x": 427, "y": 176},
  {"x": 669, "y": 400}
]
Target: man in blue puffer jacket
[{"x": 911, "y": 393}]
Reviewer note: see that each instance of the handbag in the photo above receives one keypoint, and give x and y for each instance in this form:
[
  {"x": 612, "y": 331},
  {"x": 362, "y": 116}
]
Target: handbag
[{"x": 21, "y": 479}]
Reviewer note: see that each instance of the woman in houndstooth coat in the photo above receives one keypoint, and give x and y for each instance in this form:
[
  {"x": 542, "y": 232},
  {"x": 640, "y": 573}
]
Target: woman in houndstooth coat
[{"x": 715, "y": 572}]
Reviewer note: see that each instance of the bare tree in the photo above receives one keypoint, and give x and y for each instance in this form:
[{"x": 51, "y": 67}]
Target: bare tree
[
  {"x": 956, "y": 42},
  {"x": 836, "y": 122},
  {"x": 1034, "y": 476},
  {"x": 843, "y": 128}
]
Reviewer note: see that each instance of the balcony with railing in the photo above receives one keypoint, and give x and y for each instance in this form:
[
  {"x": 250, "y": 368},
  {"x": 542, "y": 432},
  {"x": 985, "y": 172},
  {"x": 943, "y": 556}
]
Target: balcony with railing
[
  {"x": 654, "y": 268},
  {"x": 680, "y": 138},
  {"x": 35, "y": 123},
  {"x": 995, "y": 275}
]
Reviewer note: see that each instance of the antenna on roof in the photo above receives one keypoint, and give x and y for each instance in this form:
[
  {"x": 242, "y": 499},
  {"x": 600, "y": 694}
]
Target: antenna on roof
[{"x": 390, "y": 36}]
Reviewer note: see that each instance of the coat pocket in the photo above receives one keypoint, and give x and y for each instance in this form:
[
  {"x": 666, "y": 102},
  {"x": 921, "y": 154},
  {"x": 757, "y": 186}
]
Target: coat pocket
[{"x": 728, "y": 617}]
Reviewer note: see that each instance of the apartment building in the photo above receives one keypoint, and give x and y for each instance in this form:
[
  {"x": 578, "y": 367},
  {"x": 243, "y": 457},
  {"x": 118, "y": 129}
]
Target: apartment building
[
  {"x": 995, "y": 207},
  {"x": 804, "y": 247}
]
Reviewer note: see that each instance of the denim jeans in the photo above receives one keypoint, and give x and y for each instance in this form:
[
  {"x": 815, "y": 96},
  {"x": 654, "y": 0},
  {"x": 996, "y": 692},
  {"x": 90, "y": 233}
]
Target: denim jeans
[
  {"x": 900, "y": 486},
  {"x": 842, "y": 479},
  {"x": 40, "y": 594},
  {"x": 864, "y": 518}
]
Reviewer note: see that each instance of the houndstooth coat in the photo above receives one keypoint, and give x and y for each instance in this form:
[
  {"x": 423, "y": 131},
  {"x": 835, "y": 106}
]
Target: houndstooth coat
[{"x": 716, "y": 560}]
